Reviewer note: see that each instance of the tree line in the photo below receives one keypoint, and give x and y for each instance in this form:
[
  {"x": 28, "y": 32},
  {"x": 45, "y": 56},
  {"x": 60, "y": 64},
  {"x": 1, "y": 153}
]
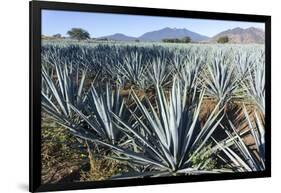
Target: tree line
[{"x": 177, "y": 40}]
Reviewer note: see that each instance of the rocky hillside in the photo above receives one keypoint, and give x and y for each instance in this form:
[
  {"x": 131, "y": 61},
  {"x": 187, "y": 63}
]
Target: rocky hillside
[{"x": 240, "y": 35}]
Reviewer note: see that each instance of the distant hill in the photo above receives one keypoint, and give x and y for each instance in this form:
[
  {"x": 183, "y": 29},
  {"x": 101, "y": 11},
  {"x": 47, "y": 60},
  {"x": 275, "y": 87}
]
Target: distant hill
[
  {"x": 167, "y": 32},
  {"x": 240, "y": 35},
  {"x": 119, "y": 37},
  {"x": 158, "y": 35}
]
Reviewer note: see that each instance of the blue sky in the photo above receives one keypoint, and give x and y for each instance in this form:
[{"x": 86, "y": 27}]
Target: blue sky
[{"x": 102, "y": 24}]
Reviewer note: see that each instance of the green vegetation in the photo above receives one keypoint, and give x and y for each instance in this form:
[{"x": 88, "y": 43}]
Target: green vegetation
[
  {"x": 176, "y": 40},
  {"x": 157, "y": 109},
  {"x": 78, "y": 34},
  {"x": 206, "y": 158},
  {"x": 223, "y": 40},
  {"x": 59, "y": 158},
  {"x": 100, "y": 168},
  {"x": 57, "y": 36},
  {"x": 66, "y": 158}
]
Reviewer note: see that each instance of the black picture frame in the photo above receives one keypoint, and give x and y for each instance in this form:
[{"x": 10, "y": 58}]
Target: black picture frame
[{"x": 35, "y": 89}]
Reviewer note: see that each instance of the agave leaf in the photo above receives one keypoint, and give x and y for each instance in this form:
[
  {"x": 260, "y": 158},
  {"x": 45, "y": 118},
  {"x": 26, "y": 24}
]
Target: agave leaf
[
  {"x": 155, "y": 144},
  {"x": 240, "y": 155},
  {"x": 132, "y": 175}
]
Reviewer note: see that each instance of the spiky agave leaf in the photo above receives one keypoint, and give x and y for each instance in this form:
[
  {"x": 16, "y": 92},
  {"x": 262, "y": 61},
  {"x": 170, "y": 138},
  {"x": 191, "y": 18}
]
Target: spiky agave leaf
[
  {"x": 240, "y": 156},
  {"x": 220, "y": 80},
  {"x": 61, "y": 89},
  {"x": 132, "y": 67},
  {"x": 191, "y": 69},
  {"x": 159, "y": 72},
  {"x": 171, "y": 134},
  {"x": 187, "y": 65},
  {"x": 98, "y": 115},
  {"x": 256, "y": 84},
  {"x": 245, "y": 62}
]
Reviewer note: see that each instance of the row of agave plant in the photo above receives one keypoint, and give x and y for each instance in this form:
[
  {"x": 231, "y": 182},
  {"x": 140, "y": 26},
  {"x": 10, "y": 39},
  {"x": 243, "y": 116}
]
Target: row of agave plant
[{"x": 160, "y": 134}]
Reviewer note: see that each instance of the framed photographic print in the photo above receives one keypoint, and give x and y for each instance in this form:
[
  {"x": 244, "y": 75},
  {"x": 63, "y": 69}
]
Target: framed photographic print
[{"x": 126, "y": 96}]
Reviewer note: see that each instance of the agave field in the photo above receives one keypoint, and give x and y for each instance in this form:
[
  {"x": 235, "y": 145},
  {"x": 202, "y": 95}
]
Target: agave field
[{"x": 159, "y": 109}]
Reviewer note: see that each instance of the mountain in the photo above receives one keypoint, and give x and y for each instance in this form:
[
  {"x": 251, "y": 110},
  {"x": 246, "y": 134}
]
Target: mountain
[
  {"x": 240, "y": 35},
  {"x": 119, "y": 37},
  {"x": 158, "y": 35},
  {"x": 167, "y": 32},
  {"x": 235, "y": 35}
]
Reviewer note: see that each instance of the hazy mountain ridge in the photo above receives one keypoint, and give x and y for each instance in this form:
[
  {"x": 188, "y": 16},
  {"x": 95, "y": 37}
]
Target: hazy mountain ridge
[
  {"x": 171, "y": 33},
  {"x": 119, "y": 37},
  {"x": 158, "y": 35},
  {"x": 235, "y": 35},
  {"x": 240, "y": 35}
]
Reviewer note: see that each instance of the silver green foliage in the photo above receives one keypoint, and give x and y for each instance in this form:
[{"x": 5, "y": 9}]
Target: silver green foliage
[{"x": 83, "y": 87}]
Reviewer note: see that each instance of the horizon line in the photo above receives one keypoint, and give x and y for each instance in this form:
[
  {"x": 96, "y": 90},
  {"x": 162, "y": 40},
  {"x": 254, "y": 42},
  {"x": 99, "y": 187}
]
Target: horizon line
[{"x": 155, "y": 31}]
